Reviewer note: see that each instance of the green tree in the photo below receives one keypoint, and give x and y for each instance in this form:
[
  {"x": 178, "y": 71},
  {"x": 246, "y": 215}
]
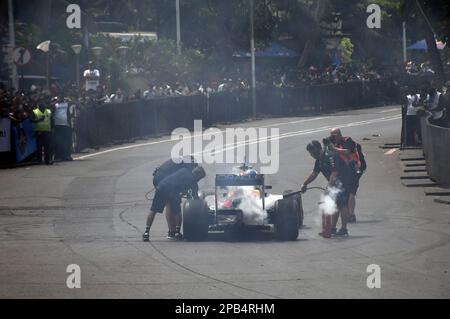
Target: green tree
[{"x": 346, "y": 47}]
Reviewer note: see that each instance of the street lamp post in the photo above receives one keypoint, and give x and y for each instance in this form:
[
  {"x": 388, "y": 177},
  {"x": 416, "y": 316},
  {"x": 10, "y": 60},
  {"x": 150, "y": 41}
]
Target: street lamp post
[
  {"x": 77, "y": 50},
  {"x": 97, "y": 51},
  {"x": 122, "y": 50},
  {"x": 45, "y": 47},
  {"x": 252, "y": 49},
  {"x": 12, "y": 43},
  {"x": 177, "y": 9}
]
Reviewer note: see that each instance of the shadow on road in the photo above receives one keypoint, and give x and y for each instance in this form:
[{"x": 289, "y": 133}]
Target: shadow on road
[{"x": 369, "y": 221}]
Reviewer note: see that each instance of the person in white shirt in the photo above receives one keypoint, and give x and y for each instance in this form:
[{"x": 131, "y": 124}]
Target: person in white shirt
[
  {"x": 149, "y": 93},
  {"x": 63, "y": 130},
  {"x": 117, "y": 97},
  {"x": 412, "y": 121},
  {"x": 223, "y": 86},
  {"x": 92, "y": 78}
]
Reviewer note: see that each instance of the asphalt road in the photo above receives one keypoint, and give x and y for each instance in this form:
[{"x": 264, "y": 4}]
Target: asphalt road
[{"x": 92, "y": 211}]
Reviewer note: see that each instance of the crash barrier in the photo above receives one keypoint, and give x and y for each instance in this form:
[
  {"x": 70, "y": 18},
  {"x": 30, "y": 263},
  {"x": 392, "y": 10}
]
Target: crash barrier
[
  {"x": 17, "y": 141},
  {"x": 322, "y": 98},
  {"x": 436, "y": 149},
  {"x": 110, "y": 123},
  {"x": 116, "y": 122}
]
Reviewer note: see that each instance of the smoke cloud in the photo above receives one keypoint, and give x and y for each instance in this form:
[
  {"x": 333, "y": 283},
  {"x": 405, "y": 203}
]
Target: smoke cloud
[
  {"x": 327, "y": 204},
  {"x": 250, "y": 203},
  {"x": 251, "y": 206}
]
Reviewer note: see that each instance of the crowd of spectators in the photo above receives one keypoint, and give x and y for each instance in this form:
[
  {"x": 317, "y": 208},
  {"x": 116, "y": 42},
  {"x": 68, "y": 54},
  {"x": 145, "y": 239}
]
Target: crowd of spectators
[
  {"x": 294, "y": 77},
  {"x": 19, "y": 105},
  {"x": 270, "y": 77}
]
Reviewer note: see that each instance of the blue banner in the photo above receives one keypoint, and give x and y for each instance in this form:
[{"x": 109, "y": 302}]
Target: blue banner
[{"x": 24, "y": 140}]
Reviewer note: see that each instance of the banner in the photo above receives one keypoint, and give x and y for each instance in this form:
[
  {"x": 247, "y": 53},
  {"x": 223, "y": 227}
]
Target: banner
[
  {"x": 5, "y": 135},
  {"x": 24, "y": 140}
]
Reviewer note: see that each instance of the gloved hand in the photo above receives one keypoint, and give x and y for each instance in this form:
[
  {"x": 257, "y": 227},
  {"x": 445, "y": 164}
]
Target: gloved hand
[{"x": 303, "y": 188}]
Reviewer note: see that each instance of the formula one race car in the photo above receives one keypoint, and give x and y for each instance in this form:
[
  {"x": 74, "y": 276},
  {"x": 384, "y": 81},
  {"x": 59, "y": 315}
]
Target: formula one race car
[{"x": 239, "y": 202}]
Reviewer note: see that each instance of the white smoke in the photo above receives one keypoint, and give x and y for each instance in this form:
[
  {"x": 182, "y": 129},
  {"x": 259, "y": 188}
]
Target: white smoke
[
  {"x": 250, "y": 203},
  {"x": 327, "y": 203},
  {"x": 251, "y": 206},
  {"x": 271, "y": 199}
]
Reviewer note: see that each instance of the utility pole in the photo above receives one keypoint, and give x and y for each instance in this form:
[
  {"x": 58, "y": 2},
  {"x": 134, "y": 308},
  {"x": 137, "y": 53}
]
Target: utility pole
[
  {"x": 252, "y": 49},
  {"x": 405, "y": 56},
  {"x": 12, "y": 43},
  {"x": 177, "y": 5}
]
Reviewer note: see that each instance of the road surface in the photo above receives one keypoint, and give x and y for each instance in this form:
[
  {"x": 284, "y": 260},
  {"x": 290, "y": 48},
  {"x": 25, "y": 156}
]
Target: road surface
[{"x": 91, "y": 212}]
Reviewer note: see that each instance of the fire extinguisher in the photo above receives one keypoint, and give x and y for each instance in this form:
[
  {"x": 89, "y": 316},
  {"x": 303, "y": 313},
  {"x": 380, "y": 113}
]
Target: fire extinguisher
[{"x": 326, "y": 225}]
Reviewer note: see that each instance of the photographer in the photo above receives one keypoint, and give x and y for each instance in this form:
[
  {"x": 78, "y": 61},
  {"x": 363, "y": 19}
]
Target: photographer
[{"x": 351, "y": 153}]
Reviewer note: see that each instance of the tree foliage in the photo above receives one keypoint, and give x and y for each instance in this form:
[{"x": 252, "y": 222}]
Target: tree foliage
[{"x": 211, "y": 30}]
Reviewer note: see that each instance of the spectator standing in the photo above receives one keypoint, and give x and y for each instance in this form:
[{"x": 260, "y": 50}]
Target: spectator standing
[
  {"x": 412, "y": 129},
  {"x": 43, "y": 128},
  {"x": 117, "y": 97},
  {"x": 63, "y": 130},
  {"x": 92, "y": 78}
]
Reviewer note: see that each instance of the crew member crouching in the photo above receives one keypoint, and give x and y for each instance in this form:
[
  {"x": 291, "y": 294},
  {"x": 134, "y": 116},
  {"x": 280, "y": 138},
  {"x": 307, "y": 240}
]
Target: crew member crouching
[{"x": 168, "y": 192}]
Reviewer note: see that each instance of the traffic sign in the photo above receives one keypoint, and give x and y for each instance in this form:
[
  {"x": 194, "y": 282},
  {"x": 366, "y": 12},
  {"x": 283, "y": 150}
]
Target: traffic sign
[{"x": 21, "y": 56}]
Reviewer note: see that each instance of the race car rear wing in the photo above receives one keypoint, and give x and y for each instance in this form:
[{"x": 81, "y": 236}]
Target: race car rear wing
[{"x": 223, "y": 180}]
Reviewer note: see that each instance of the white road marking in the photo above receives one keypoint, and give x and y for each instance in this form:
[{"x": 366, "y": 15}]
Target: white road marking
[
  {"x": 170, "y": 140},
  {"x": 295, "y": 122},
  {"x": 391, "y": 151},
  {"x": 388, "y": 111},
  {"x": 249, "y": 142},
  {"x": 293, "y": 134}
]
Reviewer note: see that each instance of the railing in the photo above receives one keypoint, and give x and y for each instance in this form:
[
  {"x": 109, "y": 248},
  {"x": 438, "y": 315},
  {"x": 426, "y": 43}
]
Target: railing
[
  {"x": 110, "y": 123},
  {"x": 436, "y": 149}
]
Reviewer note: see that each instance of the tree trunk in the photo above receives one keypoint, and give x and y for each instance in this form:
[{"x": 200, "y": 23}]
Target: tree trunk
[
  {"x": 433, "y": 52},
  {"x": 310, "y": 43}
]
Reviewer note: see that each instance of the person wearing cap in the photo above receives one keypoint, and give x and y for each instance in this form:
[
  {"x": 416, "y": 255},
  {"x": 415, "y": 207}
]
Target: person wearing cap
[{"x": 168, "y": 194}]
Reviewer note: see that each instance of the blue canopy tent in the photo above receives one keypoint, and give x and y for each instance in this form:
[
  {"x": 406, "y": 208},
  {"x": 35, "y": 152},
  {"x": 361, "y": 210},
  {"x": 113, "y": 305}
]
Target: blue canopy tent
[
  {"x": 274, "y": 50},
  {"x": 422, "y": 45}
]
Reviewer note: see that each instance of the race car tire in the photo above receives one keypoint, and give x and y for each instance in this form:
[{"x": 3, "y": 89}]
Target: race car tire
[
  {"x": 286, "y": 219},
  {"x": 195, "y": 220},
  {"x": 298, "y": 198}
]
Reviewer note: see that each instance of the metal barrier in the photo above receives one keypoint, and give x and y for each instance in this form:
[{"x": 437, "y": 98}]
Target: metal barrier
[
  {"x": 114, "y": 123},
  {"x": 436, "y": 149}
]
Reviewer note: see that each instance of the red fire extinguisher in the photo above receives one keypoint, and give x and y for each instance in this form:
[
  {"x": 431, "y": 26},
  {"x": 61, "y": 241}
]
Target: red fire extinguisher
[{"x": 326, "y": 226}]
